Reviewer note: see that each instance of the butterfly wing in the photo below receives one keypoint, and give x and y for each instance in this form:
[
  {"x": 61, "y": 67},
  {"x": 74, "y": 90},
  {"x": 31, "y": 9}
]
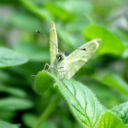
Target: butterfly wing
[
  {"x": 72, "y": 63},
  {"x": 53, "y": 44}
]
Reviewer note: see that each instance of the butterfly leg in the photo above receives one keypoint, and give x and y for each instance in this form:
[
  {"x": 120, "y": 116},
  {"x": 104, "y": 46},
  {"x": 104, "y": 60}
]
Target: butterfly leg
[
  {"x": 44, "y": 69},
  {"x": 45, "y": 66}
]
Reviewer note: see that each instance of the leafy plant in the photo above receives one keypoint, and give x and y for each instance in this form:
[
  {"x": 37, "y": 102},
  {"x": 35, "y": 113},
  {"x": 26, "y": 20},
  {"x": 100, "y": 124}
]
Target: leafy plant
[
  {"x": 82, "y": 83},
  {"x": 10, "y": 58},
  {"x": 82, "y": 102}
]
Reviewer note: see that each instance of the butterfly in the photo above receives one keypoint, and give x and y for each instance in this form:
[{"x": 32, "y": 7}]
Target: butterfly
[{"x": 67, "y": 66}]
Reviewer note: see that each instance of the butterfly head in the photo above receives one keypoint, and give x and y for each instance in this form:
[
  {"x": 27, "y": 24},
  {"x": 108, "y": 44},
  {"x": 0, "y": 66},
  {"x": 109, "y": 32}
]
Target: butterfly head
[{"x": 60, "y": 57}]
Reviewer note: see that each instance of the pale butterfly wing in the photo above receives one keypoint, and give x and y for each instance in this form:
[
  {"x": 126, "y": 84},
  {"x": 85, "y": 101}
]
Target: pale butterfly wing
[
  {"x": 53, "y": 44},
  {"x": 72, "y": 63}
]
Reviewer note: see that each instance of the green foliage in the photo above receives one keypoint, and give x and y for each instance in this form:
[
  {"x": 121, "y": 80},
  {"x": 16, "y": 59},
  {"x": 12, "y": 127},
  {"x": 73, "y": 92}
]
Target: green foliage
[
  {"x": 114, "y": 81},
  {"x": 84, "y": 6},
  {"x": 14, "y": 104},
  {"x": 58, "y": 12},
  {"x": 16, "y": 20},
  {"x": 122, "y": 111},
  {"x": 110, "y": 43},
  {"x": 32, "y": 51},
  {"x": 109, "y": 120},
  {"x": 13, "y": 91},
  {"x": 10, "y": 58},
  {"x": 43, "y": 14},
  {"x": 99, "y": 100},
  {"x": 31, "y": 121},
  {"x": 81, "y": 101},
  {"x": 4, "y": 124}
]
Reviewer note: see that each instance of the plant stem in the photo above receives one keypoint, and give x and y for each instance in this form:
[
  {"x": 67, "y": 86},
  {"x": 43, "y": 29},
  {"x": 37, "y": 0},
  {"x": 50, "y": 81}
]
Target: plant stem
[{"x": 48, "y": 110}]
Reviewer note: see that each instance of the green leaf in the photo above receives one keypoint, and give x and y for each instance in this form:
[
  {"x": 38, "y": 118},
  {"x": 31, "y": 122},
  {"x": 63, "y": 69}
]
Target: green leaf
[
  {"x": 4, "y": 124},
  {"x": 122, "y": 111},
  {"x": 105, "y": 94},
  {"x": 82, "y": 102},
  {"x": 58, "y": 11},
  {"x": 76, "y": 7},
  {"x": 9, "y": 57},
  {"x": 32, "y": 7},
  {"x": 43, "y": 82},
  {"x": 110, "y": 43},
  {"x": 31, "y": 120},
  {"x": 4, "y": 76},
  {"x": 29, "y": 22},
  {"x": 114, "y": 81},
  {"x": 14, "y": 104},
  {"x": 7, "y": 115},
  {"x": 109, "y": 120},
  {"x": 33, "y": 51},
  {"x": 13, "y": 91}
]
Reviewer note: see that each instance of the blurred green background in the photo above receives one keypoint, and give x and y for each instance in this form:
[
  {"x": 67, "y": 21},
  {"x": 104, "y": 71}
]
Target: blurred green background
[{"x": 77, "y": 21}]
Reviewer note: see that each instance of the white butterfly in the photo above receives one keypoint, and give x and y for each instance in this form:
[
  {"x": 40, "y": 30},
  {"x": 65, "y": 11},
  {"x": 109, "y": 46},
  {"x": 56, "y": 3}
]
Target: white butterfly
[{"x": 67, "y": 66}]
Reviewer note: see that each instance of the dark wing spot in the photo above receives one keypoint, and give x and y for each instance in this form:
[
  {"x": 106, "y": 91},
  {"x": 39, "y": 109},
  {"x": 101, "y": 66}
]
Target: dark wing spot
[{"x": 84, "y": 49}]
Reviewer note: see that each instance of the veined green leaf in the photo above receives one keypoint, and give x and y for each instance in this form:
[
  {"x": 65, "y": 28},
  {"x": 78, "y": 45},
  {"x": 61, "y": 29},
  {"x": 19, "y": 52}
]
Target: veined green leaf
[
  {"x": 122, "y": 111},
  {"x": 9, "y": 57},
  {"x": 109, "y": 120},
  {"x": 110, "y": 43},
  {"x": 82, "y": 102},
  {"x": 4, "y": 124}
]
